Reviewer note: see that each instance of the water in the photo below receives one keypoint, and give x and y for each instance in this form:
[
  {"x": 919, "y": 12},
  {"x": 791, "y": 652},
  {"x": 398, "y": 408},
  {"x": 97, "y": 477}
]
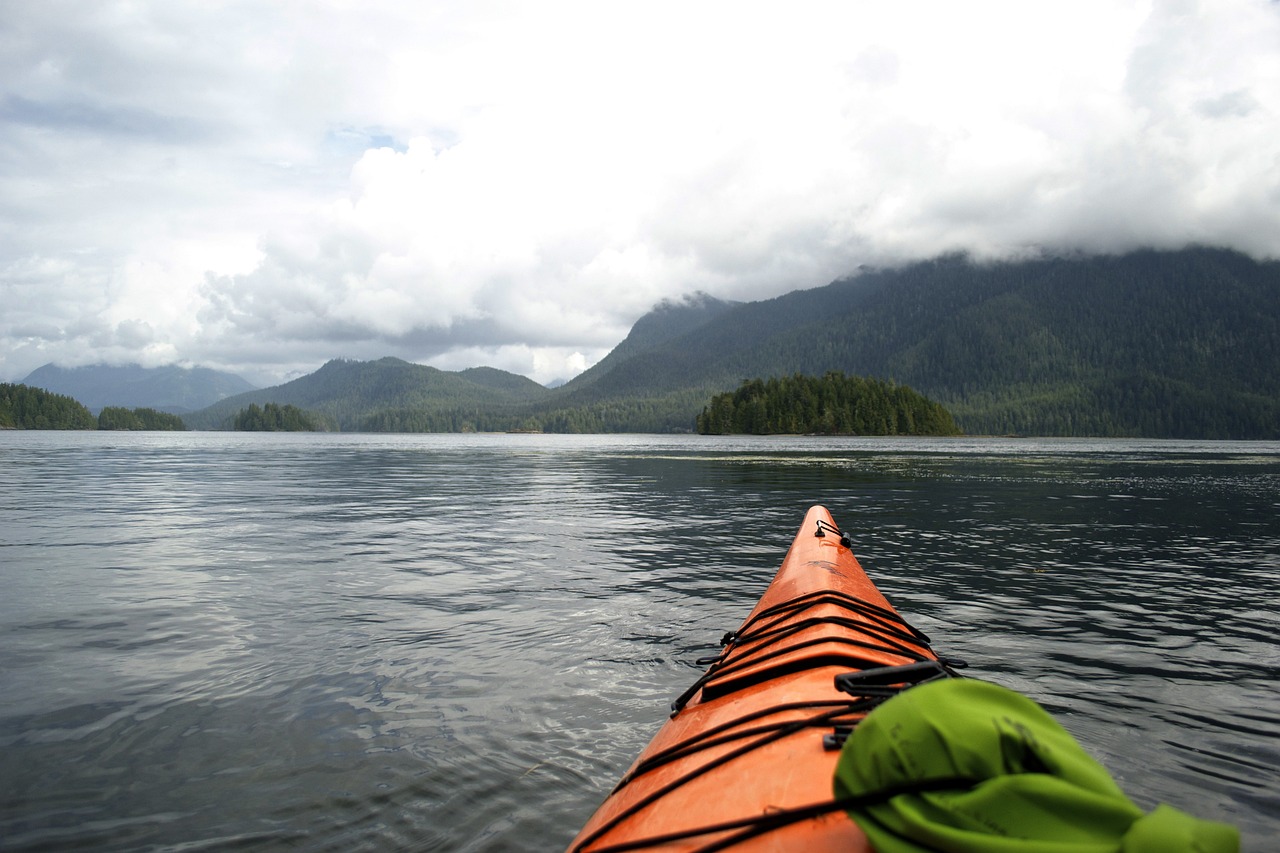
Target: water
[{"x": 354, "y": 642}]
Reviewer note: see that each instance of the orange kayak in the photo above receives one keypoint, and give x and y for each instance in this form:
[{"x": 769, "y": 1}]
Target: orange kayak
[{"x": 746, "y": 761}]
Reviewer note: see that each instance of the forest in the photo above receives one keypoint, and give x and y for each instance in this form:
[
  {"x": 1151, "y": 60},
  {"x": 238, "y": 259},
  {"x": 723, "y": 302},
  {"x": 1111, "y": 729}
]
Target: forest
[
  {"x": 118, "y": 417},
  {"x": 273, "y": 417},
  {"x": 24, "y": 407},
  {"x": 833, "y": 404},
  {"x": 1182, "y": 344},
  {"x": 354, "y": 396}
]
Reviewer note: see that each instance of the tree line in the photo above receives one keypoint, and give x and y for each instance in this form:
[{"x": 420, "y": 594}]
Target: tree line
[
  {"x": 118, "y": 417},
  {"x": 833, "y": 404},
  {"x": 24, "y": 407},
  {"x": 272, "y": 417},
  {"x": 661, "y": 415}
]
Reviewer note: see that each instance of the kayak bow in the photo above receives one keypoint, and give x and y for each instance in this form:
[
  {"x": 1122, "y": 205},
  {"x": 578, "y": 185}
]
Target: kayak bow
[{"x": 747, "y": 759}]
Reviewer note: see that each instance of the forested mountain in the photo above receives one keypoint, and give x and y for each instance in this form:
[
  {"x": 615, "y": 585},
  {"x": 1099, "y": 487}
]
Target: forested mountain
[
  {"x": 511, "y": 384},
  {"x": 669, "y": 320},
  {"x": 387, "y": 395},
  {"x": 167, "y": 389},
  {"x": 1170, "y": 344},
  {"x": 1151, "y": 343}
]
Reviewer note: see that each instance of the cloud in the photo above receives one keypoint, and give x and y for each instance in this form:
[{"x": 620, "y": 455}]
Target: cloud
[{"x": 261, "y": 188}]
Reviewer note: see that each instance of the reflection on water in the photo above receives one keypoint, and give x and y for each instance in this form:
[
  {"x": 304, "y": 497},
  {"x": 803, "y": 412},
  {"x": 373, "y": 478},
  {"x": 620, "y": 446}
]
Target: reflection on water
[{"x": 459, "y": 642}]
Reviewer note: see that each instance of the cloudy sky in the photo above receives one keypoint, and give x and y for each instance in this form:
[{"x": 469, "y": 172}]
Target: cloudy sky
[{"x": 262, "y": 186}]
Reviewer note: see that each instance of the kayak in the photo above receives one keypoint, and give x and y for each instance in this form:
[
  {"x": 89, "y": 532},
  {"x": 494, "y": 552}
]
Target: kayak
[
  {"x": 746, "y": 760},
  {"x": 825, "y": 708}
]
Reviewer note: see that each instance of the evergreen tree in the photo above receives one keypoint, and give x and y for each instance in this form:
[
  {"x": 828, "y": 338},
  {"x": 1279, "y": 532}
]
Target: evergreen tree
[
  {"x": 117, "y": 417},
  {"x": 834, "y": 404},
  {"x": 24, "y": 407},
  {"x": 272, "y": 417}
]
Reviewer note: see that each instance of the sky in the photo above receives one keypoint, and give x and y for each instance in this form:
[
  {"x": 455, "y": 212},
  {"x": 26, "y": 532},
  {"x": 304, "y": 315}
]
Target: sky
[{"x": 262, "y": 186}]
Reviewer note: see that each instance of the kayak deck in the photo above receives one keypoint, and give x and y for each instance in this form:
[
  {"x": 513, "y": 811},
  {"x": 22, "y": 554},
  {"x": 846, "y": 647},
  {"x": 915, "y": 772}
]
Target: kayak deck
[{"x": 746, "y": 760}]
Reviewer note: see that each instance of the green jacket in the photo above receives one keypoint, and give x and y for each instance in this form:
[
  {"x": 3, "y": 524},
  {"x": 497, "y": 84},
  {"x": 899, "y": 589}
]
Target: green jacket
[{"x": 982, "y": 769}]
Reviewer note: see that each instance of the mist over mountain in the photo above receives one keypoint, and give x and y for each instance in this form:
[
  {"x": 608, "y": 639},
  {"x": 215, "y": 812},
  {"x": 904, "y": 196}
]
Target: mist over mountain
[
  {"x": 168, "y": 389},
  {"x": 668, "y": 320},
  {"x": 225, "y": 213},
  {"x": 1152, "y": 343},
  {"x": 1183, "y": 343}
]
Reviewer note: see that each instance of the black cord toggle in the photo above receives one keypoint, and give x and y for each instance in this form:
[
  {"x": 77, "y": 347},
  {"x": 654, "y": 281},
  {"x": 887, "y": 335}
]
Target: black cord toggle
[
  {"x": 883, "y": 682},
  {"x": 824, "y": 527}
]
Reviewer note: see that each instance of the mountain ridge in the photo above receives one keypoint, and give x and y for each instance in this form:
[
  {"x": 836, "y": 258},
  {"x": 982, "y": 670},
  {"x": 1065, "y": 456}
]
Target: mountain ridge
[
  {"x": 1152, "y": 343},
  {"x": 668, "y": 320},
  {"x": 348, "y": 392},
  {"x": 1090, "y": 338},
  {"x": 169, "y": 388}
]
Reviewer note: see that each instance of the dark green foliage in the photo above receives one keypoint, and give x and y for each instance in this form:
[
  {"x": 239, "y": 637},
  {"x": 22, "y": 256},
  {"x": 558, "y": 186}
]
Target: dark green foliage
[
  {"x": 275, "y": 418},
  {"x": 165, "y": 421},
  {"x": 1176, "y": 344},
  {"x": 834, "y": 404},
  {"x": 659, "y": 415},
  {"x": 118, "y": 417},
  {"x": 24, "y": 407},
  {"x": 1131, "y": 405}
]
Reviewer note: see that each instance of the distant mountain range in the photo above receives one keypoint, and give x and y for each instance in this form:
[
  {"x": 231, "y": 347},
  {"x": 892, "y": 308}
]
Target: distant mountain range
[
  {"x": 390, "y": 395},
  {"x": 166, "y": 389},
  {"x": 1159, "y": 344}
]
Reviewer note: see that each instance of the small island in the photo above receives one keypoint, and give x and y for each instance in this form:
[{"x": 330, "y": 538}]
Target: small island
[
  {"x": 833, "y": 404},
  {"x": 272, "y": 417}
]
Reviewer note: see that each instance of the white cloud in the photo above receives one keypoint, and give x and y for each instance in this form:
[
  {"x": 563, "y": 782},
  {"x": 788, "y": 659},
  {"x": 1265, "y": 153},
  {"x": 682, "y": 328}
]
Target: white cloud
[{"x": 263, "y": 187}]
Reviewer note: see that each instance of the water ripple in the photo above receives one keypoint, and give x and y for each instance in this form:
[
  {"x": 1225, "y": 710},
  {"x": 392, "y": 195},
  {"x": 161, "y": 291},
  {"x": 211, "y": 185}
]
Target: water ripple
[{"x": 459, "y": 642}]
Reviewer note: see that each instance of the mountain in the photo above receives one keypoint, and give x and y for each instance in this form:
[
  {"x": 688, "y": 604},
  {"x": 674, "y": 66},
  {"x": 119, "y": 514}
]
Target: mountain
[
  {"x": 393, "y": 395},
  {"x": 521, "y": 387},
  {"x": 1152, "y": 343},
  {"x": 668, "y": 321},
  {"x": 1177, "y": 344},
  {"x": 388, "y": 395},
  {"x": 168, "y": 389}
]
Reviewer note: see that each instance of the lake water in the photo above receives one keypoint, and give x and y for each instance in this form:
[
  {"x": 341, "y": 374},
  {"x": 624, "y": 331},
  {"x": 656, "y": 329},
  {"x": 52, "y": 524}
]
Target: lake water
[{"x": 358, "y": 642}]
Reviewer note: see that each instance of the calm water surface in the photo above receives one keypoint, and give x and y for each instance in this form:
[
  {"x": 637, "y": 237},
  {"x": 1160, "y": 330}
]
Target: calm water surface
[{"x": 316, "y": 642}]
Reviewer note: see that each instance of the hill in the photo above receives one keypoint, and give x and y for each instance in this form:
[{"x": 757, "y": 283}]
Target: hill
[
  {"x": 1174, "y": 344},
  {"x": 388, "y": 395},
  {"x": 669, "y": 320},
  {"x": 168, "y": 389},
  {"x": 1159, "y": 344}
]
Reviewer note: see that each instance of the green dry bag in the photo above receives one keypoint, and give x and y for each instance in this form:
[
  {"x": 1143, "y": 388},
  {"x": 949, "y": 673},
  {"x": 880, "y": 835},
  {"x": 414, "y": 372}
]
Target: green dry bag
[{"x": 1021, "y": 782}]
